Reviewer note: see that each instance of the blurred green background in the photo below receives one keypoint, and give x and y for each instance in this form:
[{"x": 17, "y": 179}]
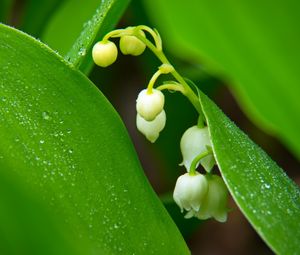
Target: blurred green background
[{"x": 243, "y": 54}]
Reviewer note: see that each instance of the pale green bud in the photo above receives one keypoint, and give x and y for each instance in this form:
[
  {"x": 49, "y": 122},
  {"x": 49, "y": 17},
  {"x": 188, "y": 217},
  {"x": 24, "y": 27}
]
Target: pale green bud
[
  {"x": 215, "y": 202},
  {"x": 166, "y": 68},
  {"x": 194, "y": 141},
  {"x": 151, "y": 129},
  {"x": 104, "y": 53},
  {"x": 131, "y": 45},
  {"x": 189, "y": 191},
  {"x": 149, "y": 105}
]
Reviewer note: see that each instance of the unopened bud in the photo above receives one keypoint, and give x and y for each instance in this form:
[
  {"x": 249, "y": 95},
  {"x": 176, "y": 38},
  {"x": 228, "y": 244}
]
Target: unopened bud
[
  {"x": 149, "y": 105},
  {"x": 104, "y": 53},
  {"x": 131, "y": 45},
  {"x": 166, "y": 68},
  {"x": 194, "y": 141},
  {"x": 151, "y": 129}
]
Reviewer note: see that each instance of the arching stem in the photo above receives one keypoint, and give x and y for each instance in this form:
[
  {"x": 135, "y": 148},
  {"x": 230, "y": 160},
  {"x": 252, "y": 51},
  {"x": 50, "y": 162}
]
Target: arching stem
[
  {"x": 188, "y": 92},
  {"x": 197, "y": 159},
  {"x": 173, "y": 87}
]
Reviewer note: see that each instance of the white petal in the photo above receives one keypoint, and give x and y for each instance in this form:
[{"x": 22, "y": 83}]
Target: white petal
[
  {"x": 193, "y": 142},
  {"x": 151, "y": 129},
  {"x": 190, "y": 190}
]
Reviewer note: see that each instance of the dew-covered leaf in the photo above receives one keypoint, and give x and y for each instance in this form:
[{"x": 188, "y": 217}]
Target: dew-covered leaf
[
  {"x": 26, "y": 224},
  {"x": 261, "y": 189},
  {"x": 65, "y": 143}
]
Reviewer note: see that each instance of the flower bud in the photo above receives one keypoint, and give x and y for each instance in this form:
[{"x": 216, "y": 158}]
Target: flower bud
[
  {"x": 151, "y": 129},
  {"x": 215, "y": 202},
  {"x": 131, "y": 45},
  {"x": 189, "y": 191},
  {"x": 193, "y": 142},
  {"x": 149, "y": 105},
  {"x": 166, "y": 68},
  {"x": 104, "y": 53}
]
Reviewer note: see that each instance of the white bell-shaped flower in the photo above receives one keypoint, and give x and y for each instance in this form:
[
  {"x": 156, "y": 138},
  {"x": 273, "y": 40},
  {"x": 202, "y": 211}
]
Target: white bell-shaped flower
[
  {"x": 189, "y": 191},
  {"x": 194, "y": 141},
  {"x": 131, "y": 45},
  {"x": 150, "y": 104},
  {"x": 104, "y": 53},
  {"x": 151, "y": 129},
  {"x": 215, "y": 201}
]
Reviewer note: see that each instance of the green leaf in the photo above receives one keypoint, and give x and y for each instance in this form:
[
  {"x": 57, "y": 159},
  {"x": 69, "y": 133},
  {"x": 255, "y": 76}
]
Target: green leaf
[
  {"x": 264, "y": 193},
  {"x": 63, "y": 140},
  {"x": 254, "y": 44},
  {"x": 64, "y": 32},
  {"x": 36, "y": 15},
  {"x": 26, "y": 226}
]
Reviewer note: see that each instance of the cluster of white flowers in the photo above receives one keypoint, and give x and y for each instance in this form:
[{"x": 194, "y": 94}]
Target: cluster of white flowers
[
  {"x": 202, "y": 195},
  {"x": 151, "y": 117}
]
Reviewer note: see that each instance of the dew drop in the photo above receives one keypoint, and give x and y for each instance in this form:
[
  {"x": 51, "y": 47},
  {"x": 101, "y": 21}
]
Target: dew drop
[
  {"x": 82, "y": 52},
  {"x": 45, "y": 115}
]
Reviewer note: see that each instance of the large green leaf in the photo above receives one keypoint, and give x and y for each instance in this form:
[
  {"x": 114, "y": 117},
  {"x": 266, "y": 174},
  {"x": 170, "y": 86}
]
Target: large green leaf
[
  {"x": 75, "y": 27},
  {"x": 26, "y": 226},
  {"x": 266, "y": 196},
  {"x": 63, "y": 140},
  {"x": 254, "y": 43}
]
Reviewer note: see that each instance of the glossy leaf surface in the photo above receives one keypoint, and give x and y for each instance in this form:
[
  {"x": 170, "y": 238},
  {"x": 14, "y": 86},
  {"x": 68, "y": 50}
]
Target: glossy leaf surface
[
  {"x": 264, "y": 193},
  {"x": 65, "y": 143}
]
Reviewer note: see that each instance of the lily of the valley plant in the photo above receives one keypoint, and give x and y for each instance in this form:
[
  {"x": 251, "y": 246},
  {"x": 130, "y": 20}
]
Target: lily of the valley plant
[{"x": 202, "y": 195}]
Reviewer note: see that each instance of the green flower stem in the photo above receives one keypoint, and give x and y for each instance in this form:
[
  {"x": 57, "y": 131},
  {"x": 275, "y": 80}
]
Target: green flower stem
[
  {"x": 197, "y": 159},
  {"x": 155, "y": 36},
  {"x": 201, "y": 122},
  {"x": 173, "y": 87},
  {"x": 115, "y": 33},
  {"x": 188, "y": 92},
  {"x": 152, "y": 81},
  {"x": 157, "y": 50}
]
